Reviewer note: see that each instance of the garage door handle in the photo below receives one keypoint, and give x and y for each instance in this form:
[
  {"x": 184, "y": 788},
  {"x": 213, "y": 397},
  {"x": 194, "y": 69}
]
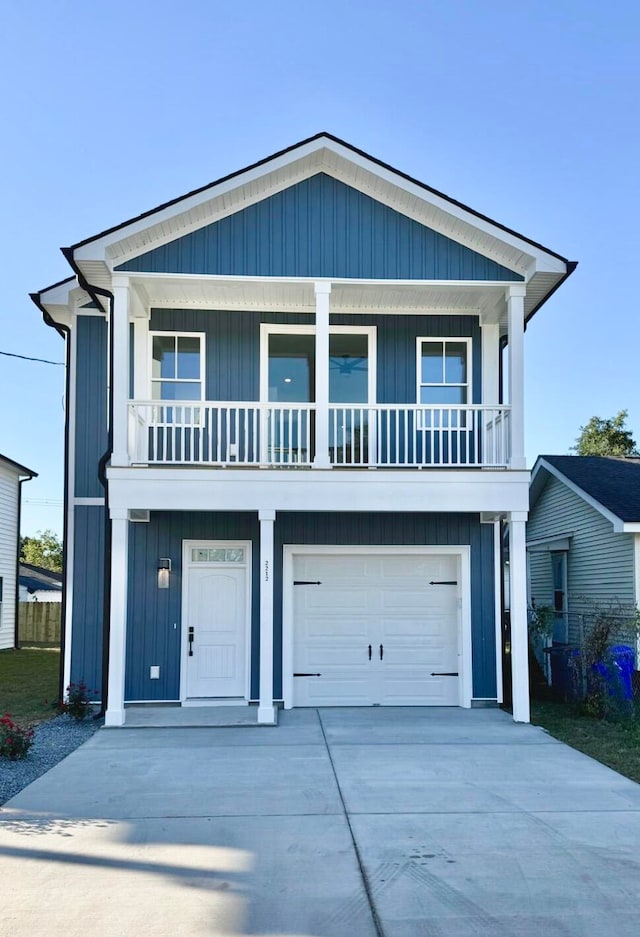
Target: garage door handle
[
  {"x": 445, "y": 675},
  {"x": 444, "y": 582},
  {"x": 381, "y": 652},
  {"x": 369, "y": 652},
  {"x": 307, "y": 675}
]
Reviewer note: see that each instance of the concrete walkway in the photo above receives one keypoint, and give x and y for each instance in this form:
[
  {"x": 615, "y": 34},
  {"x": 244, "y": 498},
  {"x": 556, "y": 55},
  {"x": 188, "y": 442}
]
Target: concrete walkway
[{"x": 338, "y": 823}]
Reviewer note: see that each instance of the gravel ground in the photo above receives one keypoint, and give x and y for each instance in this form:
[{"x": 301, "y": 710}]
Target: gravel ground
[{"x": 53, "y": 741}]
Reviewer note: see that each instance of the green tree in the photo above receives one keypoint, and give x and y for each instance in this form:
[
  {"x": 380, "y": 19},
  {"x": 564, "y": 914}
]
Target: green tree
[
  {"x": 606, "y": 437},
  {"x": 45, "y": 550}
]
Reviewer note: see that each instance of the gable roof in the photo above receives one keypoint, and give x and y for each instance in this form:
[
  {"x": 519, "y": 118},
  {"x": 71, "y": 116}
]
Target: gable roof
[
  {"x": 37, "y": 578},
  {"x": 610, "y": 484},
  {"x": 323, "y": 135},
  {"x": 96, "y": 259},
  {"x": 21, "y": 469}
]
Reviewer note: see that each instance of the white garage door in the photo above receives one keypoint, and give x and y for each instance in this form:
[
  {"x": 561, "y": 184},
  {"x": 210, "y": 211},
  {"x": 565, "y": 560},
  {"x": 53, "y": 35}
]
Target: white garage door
[{"x": 376, "y": 629}]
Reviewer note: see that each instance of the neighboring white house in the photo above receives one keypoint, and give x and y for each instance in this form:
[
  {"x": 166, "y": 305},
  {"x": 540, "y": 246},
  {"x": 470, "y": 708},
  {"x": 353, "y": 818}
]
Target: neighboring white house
[
  {"x": 292, "y": 444},
  {"x": 12, "y": 474}
]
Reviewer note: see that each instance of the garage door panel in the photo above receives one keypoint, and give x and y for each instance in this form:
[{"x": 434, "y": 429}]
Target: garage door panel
[{"x": 381, "y": 599}]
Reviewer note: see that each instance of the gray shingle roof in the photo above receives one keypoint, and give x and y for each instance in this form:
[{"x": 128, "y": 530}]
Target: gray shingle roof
[{"x": 613, "y": 482}]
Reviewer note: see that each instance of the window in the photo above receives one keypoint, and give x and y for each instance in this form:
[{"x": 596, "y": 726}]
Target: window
[
  {"x": 177, "y": 366},
  {"x": 217, "y": 555},
  {"x": 444, "y": 372}
]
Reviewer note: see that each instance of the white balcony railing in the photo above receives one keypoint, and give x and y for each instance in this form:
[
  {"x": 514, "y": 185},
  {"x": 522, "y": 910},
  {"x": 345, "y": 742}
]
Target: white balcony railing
[{"x": 379, "y": 435}]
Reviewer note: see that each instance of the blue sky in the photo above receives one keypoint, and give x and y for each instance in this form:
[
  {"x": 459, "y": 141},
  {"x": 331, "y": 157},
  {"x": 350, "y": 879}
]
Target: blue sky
[{"x": 525, "y": 111}]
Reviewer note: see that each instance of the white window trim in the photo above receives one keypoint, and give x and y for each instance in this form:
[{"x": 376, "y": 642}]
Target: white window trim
[
  {"x": 268, "y": 328},
  {"x": 468, "y": 341},
  {"x": 188, "y": 380}
]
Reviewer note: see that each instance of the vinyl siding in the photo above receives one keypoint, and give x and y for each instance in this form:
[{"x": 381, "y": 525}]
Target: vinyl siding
[
  {"x": 152, "y": 638},
  {"x": 320, "y": 228},
  {"x": 88, "y": 597},
  {"x": 600, "y": 563},
  {"x": 91, "y": 404},
  {"x": 233, "y": 347},
  {"x": 9, "y": 493}
]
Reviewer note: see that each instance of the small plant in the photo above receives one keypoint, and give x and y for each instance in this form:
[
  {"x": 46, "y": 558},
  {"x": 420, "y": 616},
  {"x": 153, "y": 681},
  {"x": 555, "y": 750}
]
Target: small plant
[
  {"x": 76, "y": 703},
  {"x": 540, "y": 620},
  {"x": 15, "y": 741}
]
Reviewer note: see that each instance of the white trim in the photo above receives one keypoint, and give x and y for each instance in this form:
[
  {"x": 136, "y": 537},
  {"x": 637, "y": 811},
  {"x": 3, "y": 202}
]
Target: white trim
[
  {"x": 188, "y": 545},
  {"x": 518, "y": 615},
  {"x": 192, "y": 489},
  {"x": 319, "y": 155},
  {"x": 119, "y": 325},
  {"x": 464, "y": 620},
  {"x": 266, "y": 709},
  {"x": 88, "y": 502},
  {"x": 468, "y": 384},
  {"x": 618, "y": 524},
  {"x": 497, "y": 605},
  {"x": 170, "y": 333},
  {"x": 70, "y": 508},
  {"x": 629, "y": 527},
  {"x": 515, "y": 350},
  {"x": 490, "y": 364},
  {"x": 114, "y": 715}
]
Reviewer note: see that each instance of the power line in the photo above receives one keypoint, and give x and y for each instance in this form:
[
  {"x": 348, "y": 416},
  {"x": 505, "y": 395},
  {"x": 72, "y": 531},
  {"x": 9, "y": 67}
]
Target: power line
[{"x": 10, "y": 354}]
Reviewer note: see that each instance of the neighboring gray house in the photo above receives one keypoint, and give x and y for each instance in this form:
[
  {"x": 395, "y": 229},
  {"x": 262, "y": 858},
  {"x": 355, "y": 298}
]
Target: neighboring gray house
[
  {"x": 12, "y": 474},
  {"x": 583, "y": 536},
  {"x": 37, "y": 584}
]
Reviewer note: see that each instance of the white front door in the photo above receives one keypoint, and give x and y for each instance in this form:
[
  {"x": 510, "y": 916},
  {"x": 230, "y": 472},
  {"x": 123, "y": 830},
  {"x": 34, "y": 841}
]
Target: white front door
[
  {"x": 216, "y": 606},
  {"x": 376, "y": 629}
]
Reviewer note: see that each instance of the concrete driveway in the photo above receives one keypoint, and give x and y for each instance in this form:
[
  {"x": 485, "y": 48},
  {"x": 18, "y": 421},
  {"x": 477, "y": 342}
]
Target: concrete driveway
[{"x": 338, "y": 823}]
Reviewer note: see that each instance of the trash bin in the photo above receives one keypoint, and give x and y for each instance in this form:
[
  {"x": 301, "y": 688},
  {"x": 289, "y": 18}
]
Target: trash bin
[
  {"x": 563, "y": 681},
  {"x": 616, "y": 671}
]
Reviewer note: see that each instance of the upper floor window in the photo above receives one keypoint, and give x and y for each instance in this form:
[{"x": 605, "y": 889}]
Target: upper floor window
[
  {"x": 444, "y": 372},
  {"x": 177, "y": 369}
]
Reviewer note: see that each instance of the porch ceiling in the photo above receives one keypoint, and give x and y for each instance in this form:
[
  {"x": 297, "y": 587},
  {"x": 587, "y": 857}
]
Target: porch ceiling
[{"x": 166, "y": 291}]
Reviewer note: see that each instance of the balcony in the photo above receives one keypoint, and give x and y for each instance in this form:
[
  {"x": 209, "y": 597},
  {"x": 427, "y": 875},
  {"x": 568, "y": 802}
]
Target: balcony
[{"x": 257, "y": 435}]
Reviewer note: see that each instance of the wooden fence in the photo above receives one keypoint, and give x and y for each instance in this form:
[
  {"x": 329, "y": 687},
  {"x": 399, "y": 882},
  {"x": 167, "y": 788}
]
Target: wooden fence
[{"x": 39, "y": 624}]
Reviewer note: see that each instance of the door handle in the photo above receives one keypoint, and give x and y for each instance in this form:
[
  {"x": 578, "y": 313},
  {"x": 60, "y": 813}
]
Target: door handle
[
  {"x": 190, "y": 639},
  {"x": 381, "y": 652},
  {"x": 369, "y": 652}
]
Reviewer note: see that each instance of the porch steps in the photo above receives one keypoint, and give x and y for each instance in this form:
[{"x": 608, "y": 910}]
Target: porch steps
[{"x": 159, "y": 717}]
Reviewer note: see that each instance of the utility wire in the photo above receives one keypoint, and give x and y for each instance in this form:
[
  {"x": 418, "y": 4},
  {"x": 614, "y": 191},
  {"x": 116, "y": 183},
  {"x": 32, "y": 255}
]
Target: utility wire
[{"x": 10, "y": 354}]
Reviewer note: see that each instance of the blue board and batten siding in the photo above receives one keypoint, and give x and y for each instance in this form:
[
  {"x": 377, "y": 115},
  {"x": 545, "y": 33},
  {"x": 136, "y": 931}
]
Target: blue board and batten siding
[
  {"x": 90, "y": 438},
  {"x": 232, "y": 342},
  {"x": 154, "y": 616},
  {"x": 90, "y": 443},
  {"x": 320, "y": 228}
]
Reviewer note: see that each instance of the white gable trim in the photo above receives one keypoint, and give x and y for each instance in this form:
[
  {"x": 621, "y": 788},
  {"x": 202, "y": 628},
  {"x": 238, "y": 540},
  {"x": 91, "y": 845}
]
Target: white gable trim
[
  {"x": 320, "y": 155},
  {"x": 618, "y": 524}
]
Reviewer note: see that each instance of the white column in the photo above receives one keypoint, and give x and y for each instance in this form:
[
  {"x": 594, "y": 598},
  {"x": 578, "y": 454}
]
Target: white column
[
  {"x": 266, "y": 709},
  {"x": 497, "y": 604},
  {"x": 120, "y": 389},
  {"x": 515, "y": 317},
  {"x": 518, "y": 614},
  {"x": 490, "y": 364},
  {"x": 114, "y": 715},
  {"x": 141, "y": 351},
  {"x": 322, "y": 293}
]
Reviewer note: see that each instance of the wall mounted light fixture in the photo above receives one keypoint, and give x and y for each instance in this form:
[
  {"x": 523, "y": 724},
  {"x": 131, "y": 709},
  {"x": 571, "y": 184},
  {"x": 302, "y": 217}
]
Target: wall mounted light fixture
[{"x": 164, "y": 570}]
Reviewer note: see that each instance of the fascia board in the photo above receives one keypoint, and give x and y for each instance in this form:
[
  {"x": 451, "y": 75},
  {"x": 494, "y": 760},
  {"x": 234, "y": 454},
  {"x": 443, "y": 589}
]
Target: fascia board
[
  {"x": 617, "y": 522},
  {"x": 630, "y": 527},
  {"x": 97, "y": 249}
]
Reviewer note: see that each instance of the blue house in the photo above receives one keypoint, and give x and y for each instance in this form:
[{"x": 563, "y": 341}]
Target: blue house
[{"x": 291, "y": 446}]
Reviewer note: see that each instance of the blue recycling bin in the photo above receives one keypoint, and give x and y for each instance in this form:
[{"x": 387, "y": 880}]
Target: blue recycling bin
[{"x": 616, "y": 671}]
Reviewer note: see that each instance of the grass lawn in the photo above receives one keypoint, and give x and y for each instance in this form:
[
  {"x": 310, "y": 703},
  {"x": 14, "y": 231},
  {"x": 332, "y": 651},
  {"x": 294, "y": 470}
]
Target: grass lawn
[
  {"x": 616, "y": 744},
  {"x": 29, "y": 684}
]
